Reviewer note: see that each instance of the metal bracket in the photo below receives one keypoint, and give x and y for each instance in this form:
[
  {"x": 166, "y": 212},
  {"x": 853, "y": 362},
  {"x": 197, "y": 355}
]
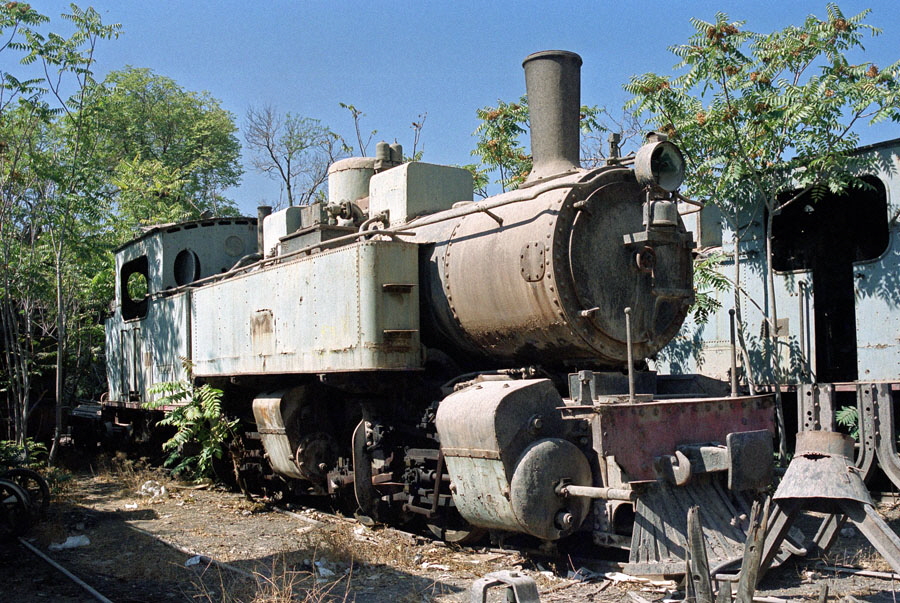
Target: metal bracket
[
  {"x": 522, "y": 588},
  {"x": 750, "y": 460},
  {"x": 816, "y": 406},
  {"x": 886, "y": 446}
]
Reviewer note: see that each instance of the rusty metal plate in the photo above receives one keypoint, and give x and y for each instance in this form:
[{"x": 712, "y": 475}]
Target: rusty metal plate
[
  {"x": 637, "y": 433},
  {"x": 659, "y": 539},
  {"x": 262, "y": 333},
  {"x": 822, "y": 468},
  {"x": 750, "y": 456},
  {"x": 289, "y": 318}
]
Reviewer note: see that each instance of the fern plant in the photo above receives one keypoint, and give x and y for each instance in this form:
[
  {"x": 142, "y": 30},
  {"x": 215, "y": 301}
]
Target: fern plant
[
  {"x": 31, "y": 454},
  {"x": 848, "y": 416},
  {"x": 196, "y": 414}
]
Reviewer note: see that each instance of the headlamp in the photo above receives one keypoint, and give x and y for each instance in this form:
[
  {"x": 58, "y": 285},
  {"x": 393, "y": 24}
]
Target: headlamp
[{"x": 659, "y": 164}]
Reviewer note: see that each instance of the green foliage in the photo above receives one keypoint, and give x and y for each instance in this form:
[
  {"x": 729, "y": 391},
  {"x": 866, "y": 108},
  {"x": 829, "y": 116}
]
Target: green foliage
[
  {"x": 761, "y": 114},
  {"x": 480, "y": 178},
  {"x": 58, "y": 479},
  {"x": 82, "y": 165},
  {"x": 16, "y": 19},
  {"x": 499, "y": 147},
  {"x": 196, "y": 414},
  {"x": 708, "y": 279},
  {"x": 848, "y": 416},
  {"x": 49, "y": 211},
  {"x": 29, "y": 454},
  {"x": 164, "y": 153}
]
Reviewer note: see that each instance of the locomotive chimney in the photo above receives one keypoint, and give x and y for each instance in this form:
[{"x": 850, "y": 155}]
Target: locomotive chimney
[{"x": 553, "y": 84}]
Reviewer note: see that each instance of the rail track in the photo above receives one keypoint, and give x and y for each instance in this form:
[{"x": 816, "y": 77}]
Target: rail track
[
  {"x": 65, "y": 572},
  {"x": 130, "y": 545}
]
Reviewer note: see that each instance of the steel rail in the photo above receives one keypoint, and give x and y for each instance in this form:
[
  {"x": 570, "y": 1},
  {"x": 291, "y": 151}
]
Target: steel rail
[{"x": 87, "y": 587}]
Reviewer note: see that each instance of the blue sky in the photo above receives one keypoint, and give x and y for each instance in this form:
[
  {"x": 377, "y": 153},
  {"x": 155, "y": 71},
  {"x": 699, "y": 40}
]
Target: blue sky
[{"x": 397, "y": 60}]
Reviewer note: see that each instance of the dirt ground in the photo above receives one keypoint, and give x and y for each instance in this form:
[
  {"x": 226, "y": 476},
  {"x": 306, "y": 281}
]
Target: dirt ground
[{"x": 143, "y": 548}]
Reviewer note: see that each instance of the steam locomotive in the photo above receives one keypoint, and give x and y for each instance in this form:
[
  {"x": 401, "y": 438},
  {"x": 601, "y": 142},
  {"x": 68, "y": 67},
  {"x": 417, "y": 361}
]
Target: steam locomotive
[{"x": 474, "y": 366}]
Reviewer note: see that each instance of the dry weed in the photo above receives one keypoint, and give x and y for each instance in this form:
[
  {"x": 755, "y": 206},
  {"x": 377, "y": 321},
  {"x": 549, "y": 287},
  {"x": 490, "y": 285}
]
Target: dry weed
[
  {"x": 129, "y": 473},
  {"x": 280, "y": 583},
  {"x": 349, "y": 543},
  {"x": 856, "y": 554}
]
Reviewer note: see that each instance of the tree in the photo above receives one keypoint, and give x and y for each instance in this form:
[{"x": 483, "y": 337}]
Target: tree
[
  {"x": 16, "y": 22},
  {"x": 23, "y": 283},
  {"x": 417, "y": 127},
  {"x": 81, "y": 164},
  {"x": 70, "y": 182},
  {"x": 500, "y": 149},
  {"x": 166, "y": 153},
  {"x": 293, "y": 150},
  {"x": 761, "y": 116},
  {"x": 357, "y": 118},
  {"x": 23, "y": 124},
  {"x": 48, "y": 207},
  {"x": 498, "y": 145}
]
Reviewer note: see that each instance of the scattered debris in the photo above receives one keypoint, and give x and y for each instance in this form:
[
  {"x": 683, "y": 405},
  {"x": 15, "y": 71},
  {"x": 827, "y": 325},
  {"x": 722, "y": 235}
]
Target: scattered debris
[
  {"x": 584, "y": 575},
  {"x": 437, "y": 566},
  {"x": 619, "y": 577},
  {"x": 301, "y": 516},
  {"x": 520, "y": 588},
  {"x": 72, "y": 542},
  {"x": 859, "y": 572},
  {"x": 205, "y": 484},
  {"x": 153, "y": 489},
  {"x": 197, "y": 560},
  {"x": 323, "y": 572},
  {"x": 810, "y": 576}
]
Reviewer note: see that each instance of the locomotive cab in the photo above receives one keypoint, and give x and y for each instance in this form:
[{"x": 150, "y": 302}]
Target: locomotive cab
[{"x": 148, "y": 331}]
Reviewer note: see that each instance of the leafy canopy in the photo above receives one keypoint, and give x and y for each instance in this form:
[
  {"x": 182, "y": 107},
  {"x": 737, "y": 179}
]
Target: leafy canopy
[
  {"x": 499, "y": 147},
  {"x": 760, "y": 114},
  {"x": 168, "y": 152}
]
